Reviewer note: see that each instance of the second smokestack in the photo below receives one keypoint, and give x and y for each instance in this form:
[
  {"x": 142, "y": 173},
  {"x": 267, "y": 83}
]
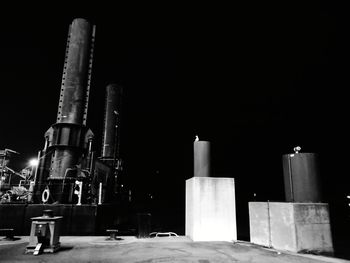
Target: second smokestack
[{"x": 110, "y": 142}]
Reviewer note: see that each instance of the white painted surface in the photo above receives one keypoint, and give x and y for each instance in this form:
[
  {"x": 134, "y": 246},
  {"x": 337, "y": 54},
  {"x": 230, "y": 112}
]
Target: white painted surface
[{"x": 211, "y": 209}]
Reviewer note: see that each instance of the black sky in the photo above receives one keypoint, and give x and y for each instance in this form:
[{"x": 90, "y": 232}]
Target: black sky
[{"x": 254, "y": 79}]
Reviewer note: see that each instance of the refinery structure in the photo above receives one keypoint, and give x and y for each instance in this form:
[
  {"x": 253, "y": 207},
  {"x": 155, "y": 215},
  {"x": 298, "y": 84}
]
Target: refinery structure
[
  {"x": 85, "y": 189},
  {"x": 68, "y": 171}
]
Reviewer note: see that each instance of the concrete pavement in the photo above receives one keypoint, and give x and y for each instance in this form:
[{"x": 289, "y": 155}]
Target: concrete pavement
[{"x": 161, "y": 249}]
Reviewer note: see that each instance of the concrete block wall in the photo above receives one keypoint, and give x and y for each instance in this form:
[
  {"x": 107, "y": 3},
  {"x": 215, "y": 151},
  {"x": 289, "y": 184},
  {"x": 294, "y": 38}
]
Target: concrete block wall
[
  {"x": 210, "y": 209},
  {"x": 259, "y": 224},
  {"x": 294, "y": 227}
]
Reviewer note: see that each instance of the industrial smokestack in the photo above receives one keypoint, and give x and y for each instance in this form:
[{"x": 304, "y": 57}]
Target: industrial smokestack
[
  {"x": 111, "y": 137},
  {"x": 68, "y": 138},
  {"x": 73, "y": 104}
]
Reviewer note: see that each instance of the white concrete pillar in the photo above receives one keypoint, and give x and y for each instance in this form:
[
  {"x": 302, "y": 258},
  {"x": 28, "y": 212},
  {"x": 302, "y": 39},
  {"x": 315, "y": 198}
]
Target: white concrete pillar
[{"x": 211, "y": 209}]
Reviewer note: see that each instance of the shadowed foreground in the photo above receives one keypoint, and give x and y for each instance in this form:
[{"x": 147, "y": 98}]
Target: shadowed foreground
[{"x": 161, "y": 249}]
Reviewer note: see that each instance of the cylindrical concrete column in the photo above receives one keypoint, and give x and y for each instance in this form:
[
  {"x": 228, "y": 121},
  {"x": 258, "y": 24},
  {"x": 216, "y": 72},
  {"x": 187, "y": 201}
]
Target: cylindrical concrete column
[
  {"x": 301, "y": 178},
  {"x": 201, "y": 159}
]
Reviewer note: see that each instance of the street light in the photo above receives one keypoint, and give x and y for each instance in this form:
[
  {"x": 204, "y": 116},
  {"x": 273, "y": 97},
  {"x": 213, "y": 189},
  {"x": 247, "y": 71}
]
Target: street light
[
  {"x": 33, "y": 162},
  {"x": 33, "y": 166}
]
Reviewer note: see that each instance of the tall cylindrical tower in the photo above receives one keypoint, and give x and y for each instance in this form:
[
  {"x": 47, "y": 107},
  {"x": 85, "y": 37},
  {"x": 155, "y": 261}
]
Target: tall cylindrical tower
[
  {"x": 69, "y": 137},
  {"x": 111, "y": 137}
]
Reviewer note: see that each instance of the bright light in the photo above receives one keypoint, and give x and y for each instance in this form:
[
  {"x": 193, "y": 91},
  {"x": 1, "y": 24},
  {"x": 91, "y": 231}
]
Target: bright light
[
  {"x": 34, "y": 162},
  {"x": 348, "y": 196}
]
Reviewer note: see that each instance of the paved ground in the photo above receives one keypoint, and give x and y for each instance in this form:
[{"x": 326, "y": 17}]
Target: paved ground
[{"x": 162, "y": 249}]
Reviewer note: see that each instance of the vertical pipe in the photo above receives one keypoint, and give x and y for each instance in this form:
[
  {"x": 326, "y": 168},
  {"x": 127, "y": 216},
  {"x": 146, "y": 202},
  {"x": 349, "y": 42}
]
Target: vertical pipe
[
  {"x": 31, "y": 191},
  {"x": 90, "y": 146},
  {"x": 111, "y": 121},
  {"x": 100, "y": 194},
  {"x": 46, "y": 144},
  {"x": 111, "y": 135},
  {"x": 40, "y": 174},
  {"x": 290, "y": 179},
  {"x": 37, "y": 168},
  {"x": 202, "y": 166},
  {"x": 80, "y": 185}
]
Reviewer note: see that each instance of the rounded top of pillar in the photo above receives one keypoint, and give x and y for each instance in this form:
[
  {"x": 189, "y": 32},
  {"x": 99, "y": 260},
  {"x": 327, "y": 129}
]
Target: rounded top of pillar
[
  {"x": 114, "y": 87},
  {"x": 79, "y": 20},
  {"x": 299, "y": 154},
  {"x": 81, "y": 30}
]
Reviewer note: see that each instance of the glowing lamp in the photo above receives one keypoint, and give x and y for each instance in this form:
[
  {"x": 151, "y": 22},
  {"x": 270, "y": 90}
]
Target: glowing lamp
[{"x": 34, "y": 162}]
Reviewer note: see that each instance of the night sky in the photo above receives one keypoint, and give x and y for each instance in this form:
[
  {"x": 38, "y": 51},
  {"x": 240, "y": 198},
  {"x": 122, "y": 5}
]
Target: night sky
[{"x": 254, "y": 79}]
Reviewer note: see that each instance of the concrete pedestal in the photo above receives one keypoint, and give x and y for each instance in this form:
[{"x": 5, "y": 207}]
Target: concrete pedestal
[
  {"x": 297, "y": 227},
  {"x": 211, "y": 209},
  {"x": 50, "y": 240}
]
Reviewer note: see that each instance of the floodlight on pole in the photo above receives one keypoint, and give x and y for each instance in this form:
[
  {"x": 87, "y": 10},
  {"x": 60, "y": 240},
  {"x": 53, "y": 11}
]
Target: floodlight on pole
[
  {"x": 33, "y": 162},
  {"x": 33, "y": 166}
]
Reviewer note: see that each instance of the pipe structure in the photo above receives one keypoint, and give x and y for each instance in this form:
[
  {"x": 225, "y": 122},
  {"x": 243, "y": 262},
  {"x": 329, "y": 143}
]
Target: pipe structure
[
  {"x": 301, "y": 178},
  {"x": 202, "y": 166},
  {"x": 111, "y": 137},
  {"x": 69, "y": 137}
]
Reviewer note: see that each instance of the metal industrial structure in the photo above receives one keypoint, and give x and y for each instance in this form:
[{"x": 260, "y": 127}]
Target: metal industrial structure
[
  {"x": 111, "y": 128},
  {"x": 108, "y": 167},
  {"x": 5, "y": 171},
  {"x": 68, "y": 141},
  {"x": 67, "y": 161}
]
